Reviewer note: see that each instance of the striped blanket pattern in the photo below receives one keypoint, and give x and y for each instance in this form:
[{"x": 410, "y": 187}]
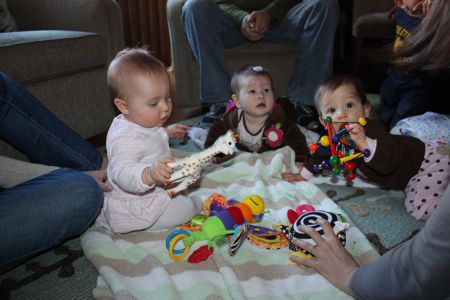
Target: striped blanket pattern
[{"x": 138, "y": 266}]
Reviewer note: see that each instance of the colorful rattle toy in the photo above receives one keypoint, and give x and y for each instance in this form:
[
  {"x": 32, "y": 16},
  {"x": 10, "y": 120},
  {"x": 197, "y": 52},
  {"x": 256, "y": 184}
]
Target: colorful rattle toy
[
  {"x": 341, "y": 148},
  {"x": 260, "y": 236},
  {"x": 309, "y": 219},
  {"x": 224, "y": 218},
  {"x": 188, "y": 169}
]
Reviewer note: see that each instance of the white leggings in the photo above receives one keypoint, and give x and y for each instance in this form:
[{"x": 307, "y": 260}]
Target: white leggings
[{"x": 180, "y": 210}]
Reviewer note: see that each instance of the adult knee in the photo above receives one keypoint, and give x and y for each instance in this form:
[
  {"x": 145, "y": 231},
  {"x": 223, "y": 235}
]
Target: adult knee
[
  {"x": 325, "y": 5},
  {"x": 195, "y": 6},
  {"x": 87, "y": 196},
  {"x": 326, "y": 9},
  {"x": 80, "y": 203}
]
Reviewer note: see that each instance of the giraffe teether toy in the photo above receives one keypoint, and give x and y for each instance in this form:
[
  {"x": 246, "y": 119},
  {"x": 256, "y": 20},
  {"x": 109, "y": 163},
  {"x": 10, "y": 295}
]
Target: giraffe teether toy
[{"x": 188, "y": 169}]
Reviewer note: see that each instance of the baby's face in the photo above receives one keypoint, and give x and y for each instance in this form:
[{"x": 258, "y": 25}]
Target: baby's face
[
  {"x": 255, "y": 95},
  {"x": 148, "y": 99},
  {"x": 343, "y": 105}
]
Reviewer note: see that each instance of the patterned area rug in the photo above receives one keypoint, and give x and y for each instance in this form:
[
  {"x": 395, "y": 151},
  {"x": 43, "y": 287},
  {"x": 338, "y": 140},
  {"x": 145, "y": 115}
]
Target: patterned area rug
[{"x": 65, "y": 273}]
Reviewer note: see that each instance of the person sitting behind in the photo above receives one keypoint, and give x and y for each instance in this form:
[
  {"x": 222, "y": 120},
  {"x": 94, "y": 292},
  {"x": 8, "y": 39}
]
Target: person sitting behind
[
  {"x": 212, "y": 26},
  {"x": 260, "y": 121},
  {"x": 403, "y": 94}
]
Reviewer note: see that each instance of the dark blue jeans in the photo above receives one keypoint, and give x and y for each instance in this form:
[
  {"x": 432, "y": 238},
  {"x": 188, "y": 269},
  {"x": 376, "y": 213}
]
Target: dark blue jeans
[
  {"x": 402, "y": 96},
  {"x": 36, "y": 132},
  {"x": 310, "y": 24},
  {"x": 45, "y": 211}
]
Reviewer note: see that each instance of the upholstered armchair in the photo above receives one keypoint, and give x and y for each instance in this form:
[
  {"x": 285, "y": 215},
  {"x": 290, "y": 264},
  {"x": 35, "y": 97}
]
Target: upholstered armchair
[
  {"x": 279, "y": 59},
  {"x": 60, "y": 54},
  {"x": 370, "y": 22}
]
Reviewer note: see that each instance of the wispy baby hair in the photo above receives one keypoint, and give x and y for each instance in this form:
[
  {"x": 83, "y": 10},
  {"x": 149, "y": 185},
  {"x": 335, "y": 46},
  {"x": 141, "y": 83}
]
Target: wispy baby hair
[
  {"x": 333, "y": 83},
  {"x": 248, "y": 71},
  {"x": 128, "y": 62}
]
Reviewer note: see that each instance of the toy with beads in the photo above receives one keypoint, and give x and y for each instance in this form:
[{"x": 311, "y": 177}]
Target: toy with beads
[{"x": 341, "y": 148}]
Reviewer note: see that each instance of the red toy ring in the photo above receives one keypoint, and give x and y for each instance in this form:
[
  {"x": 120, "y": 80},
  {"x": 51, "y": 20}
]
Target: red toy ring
[{"x": 304, "y": 208}]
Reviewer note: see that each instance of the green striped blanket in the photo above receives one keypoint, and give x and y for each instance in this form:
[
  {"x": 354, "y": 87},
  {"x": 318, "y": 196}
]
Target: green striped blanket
[{"x": 138, "y": 266}]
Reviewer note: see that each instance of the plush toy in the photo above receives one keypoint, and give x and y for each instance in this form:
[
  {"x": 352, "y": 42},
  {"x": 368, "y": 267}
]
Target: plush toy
[
  {"x": 341, "y": 148},
  {"x": 224, "y": 218},
  {"x": 309, "y": 218},
  {"x": 293, "y": 215},
  {"x": 260, "y": 236},
  {"x": 187, "y": 170}
]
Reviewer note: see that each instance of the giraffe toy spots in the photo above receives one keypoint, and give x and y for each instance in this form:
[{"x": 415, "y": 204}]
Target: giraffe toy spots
[{"x": 187, "y": 170}]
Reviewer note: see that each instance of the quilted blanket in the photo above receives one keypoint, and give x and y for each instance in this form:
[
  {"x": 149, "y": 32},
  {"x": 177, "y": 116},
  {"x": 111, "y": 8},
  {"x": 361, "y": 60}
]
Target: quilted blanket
[{"x": 138, "y": 266}]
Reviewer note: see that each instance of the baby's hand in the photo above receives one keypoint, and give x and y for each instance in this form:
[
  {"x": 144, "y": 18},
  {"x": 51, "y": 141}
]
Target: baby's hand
[
  {"x": 177, "y": 130},
  {"x": 292, "y": 177},
  {"x": 160, "y": 172},
  {"x": 357, "y": 134}
]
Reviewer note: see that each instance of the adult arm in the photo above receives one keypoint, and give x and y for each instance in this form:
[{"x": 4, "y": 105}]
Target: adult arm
[{"x": 416, "y": 269}]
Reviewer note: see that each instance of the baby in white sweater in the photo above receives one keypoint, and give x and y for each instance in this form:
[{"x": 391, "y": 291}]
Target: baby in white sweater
[{"x": 138, "y": 148}]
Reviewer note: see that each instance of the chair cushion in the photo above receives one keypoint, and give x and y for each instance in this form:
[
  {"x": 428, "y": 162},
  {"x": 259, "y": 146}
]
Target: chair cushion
[
  {"x": 374, "y": 26},
  {"x": 32, "y": 56}
]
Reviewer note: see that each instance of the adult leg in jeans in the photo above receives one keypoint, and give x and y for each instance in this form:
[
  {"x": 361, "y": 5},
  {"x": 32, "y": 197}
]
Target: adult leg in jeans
[
  {"x": 312, "y": 25},
  {"x": 32, "y": 129},
  {"x": 209, "y": 32},
  {"x": 44, "y": 212}
]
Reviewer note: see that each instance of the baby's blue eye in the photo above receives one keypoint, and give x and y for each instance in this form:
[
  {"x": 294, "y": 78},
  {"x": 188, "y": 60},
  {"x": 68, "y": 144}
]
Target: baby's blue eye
[{"x": 349, "y": 105}]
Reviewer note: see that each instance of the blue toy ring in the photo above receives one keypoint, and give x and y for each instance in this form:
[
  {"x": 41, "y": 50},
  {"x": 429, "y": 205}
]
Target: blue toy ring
[{"x": 171, "y": 236}]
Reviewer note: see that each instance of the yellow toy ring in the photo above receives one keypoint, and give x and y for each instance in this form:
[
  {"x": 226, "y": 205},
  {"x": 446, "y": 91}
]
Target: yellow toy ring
[{"x": 172, "y": 244}]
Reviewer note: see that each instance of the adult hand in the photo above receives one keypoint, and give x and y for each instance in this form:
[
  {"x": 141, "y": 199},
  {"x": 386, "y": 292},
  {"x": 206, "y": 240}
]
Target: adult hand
[
  {"x": 101, "y": 176},
  {"x": 255, "y": 25},
  {"x": 330, "y": 258},
  {"x": 177, "y": 130}
]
